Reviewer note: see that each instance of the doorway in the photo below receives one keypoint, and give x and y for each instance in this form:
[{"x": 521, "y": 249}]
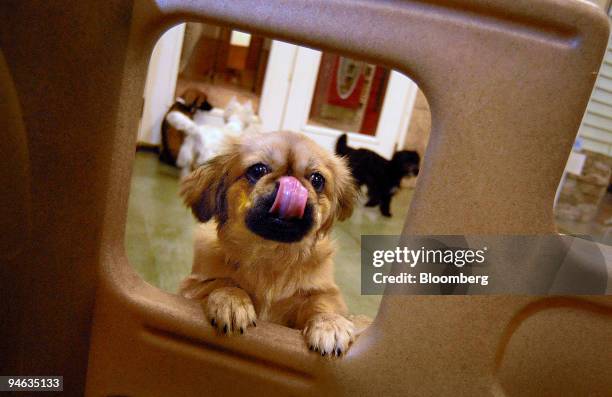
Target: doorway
[
  {"x": 327, "y": 95},
  {"x": 224, "y": 63}
]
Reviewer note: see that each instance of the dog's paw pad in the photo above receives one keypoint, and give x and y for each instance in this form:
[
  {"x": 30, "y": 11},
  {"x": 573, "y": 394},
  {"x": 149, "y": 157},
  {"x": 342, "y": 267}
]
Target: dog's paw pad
[
  {"x": 230, "y": 310},
  {"x": 329, "y": 334}
]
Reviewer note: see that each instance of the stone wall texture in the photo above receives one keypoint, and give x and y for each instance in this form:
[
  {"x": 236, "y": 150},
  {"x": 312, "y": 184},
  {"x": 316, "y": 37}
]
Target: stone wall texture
[{"x": 581, "y": 194}]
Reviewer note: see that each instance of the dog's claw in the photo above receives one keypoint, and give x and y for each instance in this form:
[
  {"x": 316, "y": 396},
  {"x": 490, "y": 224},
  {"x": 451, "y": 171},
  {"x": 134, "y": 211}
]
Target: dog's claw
[
  {"x": 225, "y": 329},
  {"x": 338, "y": 352},
  {"x": 323, "y": 353},
  {"x": 241, "y": 330},
  {"x": 213, "y": 322},
  {"x": 254, "y": 324}
]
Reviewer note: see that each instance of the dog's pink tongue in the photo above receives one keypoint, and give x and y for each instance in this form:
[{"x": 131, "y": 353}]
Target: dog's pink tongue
[{"x": 291, "y": 198}]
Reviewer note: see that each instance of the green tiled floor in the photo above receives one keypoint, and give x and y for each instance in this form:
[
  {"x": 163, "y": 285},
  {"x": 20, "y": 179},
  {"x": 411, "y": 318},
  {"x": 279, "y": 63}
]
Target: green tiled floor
[
  {"x": 159, "y": 235},
  {"x": 159, "y": 232}
]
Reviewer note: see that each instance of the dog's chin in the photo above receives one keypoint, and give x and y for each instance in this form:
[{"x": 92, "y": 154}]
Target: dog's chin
[{"x": 260, "y": 221}]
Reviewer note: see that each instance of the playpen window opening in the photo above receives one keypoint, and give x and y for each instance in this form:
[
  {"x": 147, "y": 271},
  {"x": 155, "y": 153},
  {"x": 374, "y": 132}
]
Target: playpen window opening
[{"x": 216, "y": 82}]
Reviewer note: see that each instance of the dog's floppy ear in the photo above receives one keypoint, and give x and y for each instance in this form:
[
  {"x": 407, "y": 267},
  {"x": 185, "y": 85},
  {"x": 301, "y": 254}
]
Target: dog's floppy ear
[
  {"x": 345, "y": 187},
  {"x": 204, "y": 189},
  {"x": 344, "y": 195}
]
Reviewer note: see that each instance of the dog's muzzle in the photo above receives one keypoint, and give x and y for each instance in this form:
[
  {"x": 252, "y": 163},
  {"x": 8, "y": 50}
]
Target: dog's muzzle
[{"x": 283, "y": 215}]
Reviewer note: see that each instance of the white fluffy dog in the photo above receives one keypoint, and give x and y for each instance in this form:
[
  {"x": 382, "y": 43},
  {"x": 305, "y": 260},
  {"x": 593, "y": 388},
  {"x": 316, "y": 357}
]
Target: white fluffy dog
[{"x": 203, "y": 141}]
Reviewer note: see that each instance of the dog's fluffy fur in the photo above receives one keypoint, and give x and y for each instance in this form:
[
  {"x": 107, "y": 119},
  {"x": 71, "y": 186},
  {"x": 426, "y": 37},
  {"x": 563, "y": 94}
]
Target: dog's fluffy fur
[
  {"x": 381, "y": 176},
  {"x": 204, "y": 141},
  {"x": 251, "y": 265},
  {"x": 183, "y": 110}
]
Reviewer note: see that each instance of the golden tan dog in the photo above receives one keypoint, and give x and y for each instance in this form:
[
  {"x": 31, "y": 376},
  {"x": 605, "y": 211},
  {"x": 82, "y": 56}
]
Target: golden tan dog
[{"x": 274, "y": 198}]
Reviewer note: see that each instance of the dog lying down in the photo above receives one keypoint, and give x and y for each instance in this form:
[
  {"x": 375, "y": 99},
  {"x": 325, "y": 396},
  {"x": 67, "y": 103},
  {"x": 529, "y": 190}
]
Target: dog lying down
[{"x": 273, "y": 198}]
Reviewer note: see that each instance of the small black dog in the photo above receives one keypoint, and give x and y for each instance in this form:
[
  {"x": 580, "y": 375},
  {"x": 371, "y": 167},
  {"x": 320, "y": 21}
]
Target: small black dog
[{"x": 381, "y": 176}]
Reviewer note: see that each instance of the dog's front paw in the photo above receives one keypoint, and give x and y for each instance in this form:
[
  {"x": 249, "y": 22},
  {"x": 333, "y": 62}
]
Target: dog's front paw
[
  {"x": 230, "y": 310},
  {"x": 329, "y": 333}
]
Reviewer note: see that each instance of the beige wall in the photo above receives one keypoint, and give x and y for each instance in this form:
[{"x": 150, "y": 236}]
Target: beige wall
[{"x": 160, "y": 84}]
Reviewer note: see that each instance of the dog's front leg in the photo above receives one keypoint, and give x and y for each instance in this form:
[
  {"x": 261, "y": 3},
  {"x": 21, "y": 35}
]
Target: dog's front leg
[
  {"x": 230, "y": 310},
  {"x": 324, "y": 328},
  {"x": 228, "y": 307}
]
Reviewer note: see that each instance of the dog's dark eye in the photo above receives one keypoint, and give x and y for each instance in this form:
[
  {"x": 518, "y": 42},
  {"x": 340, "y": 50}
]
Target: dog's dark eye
[
  {"x": 317, "y": 181},
  {"x": 255, "y": 172}
]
